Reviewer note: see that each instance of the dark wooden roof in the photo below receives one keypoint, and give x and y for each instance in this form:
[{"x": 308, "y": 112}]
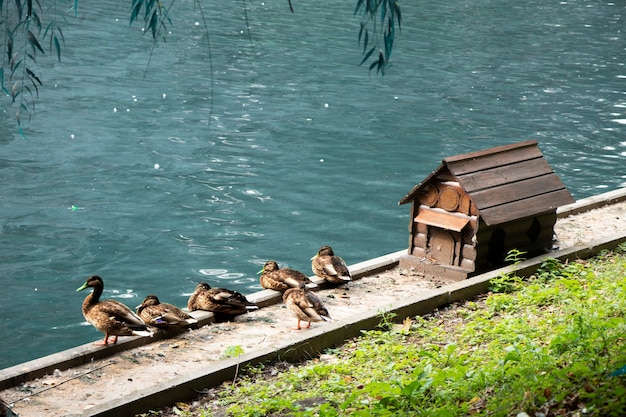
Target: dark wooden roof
[{"x": 505, "y": 183}]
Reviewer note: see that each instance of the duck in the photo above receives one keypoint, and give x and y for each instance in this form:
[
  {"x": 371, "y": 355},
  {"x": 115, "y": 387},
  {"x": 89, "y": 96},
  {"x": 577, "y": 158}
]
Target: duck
[
  {"x": 163, "y": 315},
  {"x": 281, "y": 279},
  {"x": 306, "y": 306},
  {"x": 109, "y": 316},
  {"x": 219, "y": 300},
  {"x": 330, "y": 267}
]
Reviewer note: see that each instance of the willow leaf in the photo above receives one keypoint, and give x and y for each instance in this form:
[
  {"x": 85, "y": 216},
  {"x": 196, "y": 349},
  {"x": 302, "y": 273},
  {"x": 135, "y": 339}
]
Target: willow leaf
[
  {"x": 366, "y": 57},
  {"x": 32, "y": 76},
  {"x": 49, "y": 28},
  {"x": 4, "y": 88},
  {"x": 20, "y": 9},
  {"x": 135, "y": 9},
  {"x": 381, "y": 63},
  {"x": 362, "y": 30},
  {"x": 34, "y": 42},
  {"x": 359, "y": 5},
  {"x": 9, "y": 47},
  {"x": 388, "y": 39},
  {"x": 15, "y": 90},
  {"x": 35, "y": 18},
  {"x": 153, "y": 24},
  {"x": 15, "y": 65},
  {"x": 149, "y": 7},
  {"x": 58, "y": 29},
  {"x": 396, "y": 5},
  {"x": 30, "y": 92},
  {"x": 36, "y": 91},
  {"x": 57, "y": 47}
]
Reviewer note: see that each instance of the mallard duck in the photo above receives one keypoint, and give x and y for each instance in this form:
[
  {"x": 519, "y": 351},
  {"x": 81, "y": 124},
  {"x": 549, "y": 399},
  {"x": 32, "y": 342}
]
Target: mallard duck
[
  {"x": 281, "y": 279},
  {"x": 109, "y": 316},
  {"x": 163, "y": 315},
  {"x": 330, "y": 267},
  {"x": 306, "y": 306},
  {"x": 219, "y": 300}
]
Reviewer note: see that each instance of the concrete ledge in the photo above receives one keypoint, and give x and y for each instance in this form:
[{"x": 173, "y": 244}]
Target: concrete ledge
[
  {"x": 376, "y": 265},
  {"x": 593, "y": 202},
  {"x": 84, "y": 354}
]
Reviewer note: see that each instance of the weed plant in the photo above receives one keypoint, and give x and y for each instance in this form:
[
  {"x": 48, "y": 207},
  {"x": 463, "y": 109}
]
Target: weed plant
[{"x": 551, "y": 345}]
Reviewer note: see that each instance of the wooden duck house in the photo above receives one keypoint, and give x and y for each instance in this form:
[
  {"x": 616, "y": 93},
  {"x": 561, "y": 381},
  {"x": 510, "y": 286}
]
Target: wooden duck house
[{"x": 476, "y": 207}]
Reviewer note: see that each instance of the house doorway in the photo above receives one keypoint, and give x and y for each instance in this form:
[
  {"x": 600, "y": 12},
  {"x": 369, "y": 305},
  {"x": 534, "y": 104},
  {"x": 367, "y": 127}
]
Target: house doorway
[{"x": 441, "y": 247}]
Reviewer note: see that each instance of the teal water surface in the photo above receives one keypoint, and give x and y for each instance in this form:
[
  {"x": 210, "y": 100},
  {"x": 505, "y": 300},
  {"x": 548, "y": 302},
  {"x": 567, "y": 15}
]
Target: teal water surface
[{"x": 216, "y": 162}]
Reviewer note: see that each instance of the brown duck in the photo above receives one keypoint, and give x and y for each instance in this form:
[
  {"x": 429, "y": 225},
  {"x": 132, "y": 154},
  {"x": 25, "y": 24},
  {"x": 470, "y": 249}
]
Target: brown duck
[
  {"x": 306, "y": 306},
  {"x": 330, "y": 267},
  {"x": 281, "y": 279},
  {"x": 219, "y": 300},
  {"x": 163, "y": 315},
  {"x": 109, "y": 316}
]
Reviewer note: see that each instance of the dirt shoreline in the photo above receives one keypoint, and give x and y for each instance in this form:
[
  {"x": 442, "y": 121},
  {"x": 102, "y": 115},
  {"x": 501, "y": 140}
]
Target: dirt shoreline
[{"x": 75, "y": 391}]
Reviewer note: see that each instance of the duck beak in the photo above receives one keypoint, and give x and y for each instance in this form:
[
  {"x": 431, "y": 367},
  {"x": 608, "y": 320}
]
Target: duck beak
[{"x": 82, "y": 287}]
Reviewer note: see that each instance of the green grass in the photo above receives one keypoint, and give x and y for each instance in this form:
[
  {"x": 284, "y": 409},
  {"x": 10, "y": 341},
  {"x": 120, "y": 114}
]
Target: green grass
[{"x": 545, "y": 346}]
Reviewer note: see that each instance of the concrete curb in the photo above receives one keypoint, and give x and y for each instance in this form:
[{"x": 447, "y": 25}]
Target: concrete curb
[{"x": 593, "y": 202}]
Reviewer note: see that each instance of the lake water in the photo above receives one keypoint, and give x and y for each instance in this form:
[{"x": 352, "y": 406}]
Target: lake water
[{"x": 202, "y": 172}]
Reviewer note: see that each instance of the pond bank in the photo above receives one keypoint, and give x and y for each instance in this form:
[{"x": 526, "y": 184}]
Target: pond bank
[{"x": 141, "y": 373}]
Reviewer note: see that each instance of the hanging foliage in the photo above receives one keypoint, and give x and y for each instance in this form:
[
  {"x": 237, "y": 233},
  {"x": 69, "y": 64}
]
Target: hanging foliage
[
  {"x": 378, "y": 30},
  {"x": 155, "y": 16},
  {"x": 26, "y": 26},
  {"x": 21, "y": 36}
]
